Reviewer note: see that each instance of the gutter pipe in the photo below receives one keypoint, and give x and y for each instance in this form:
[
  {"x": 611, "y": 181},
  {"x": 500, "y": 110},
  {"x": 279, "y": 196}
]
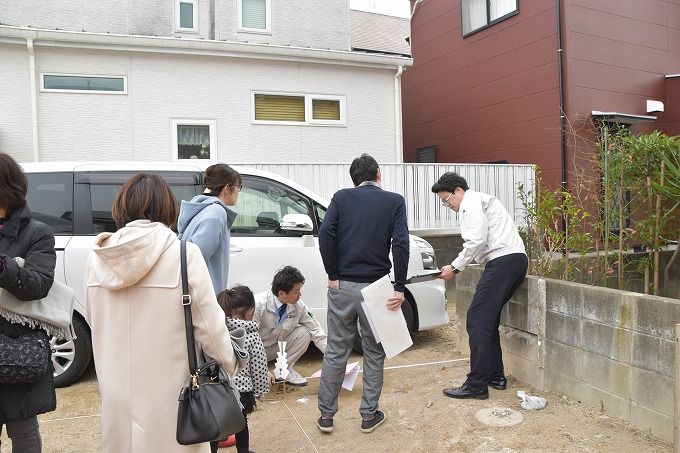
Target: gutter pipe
[
  {"x": 563, "y": 118},
  {"x": 398, "y": 133},
  {"x": 34, "y": 100}
]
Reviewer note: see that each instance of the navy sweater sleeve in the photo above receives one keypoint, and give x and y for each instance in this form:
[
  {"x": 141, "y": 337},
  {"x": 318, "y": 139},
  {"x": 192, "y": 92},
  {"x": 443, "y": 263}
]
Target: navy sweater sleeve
[
  {"x": 400, "y": 246},
  {"x": 327, "y": 240}
]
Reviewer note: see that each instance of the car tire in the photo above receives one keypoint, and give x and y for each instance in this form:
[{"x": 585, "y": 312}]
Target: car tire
[
  {"x": 407, "y": 311},
  {"x": 70, "y": 358}
]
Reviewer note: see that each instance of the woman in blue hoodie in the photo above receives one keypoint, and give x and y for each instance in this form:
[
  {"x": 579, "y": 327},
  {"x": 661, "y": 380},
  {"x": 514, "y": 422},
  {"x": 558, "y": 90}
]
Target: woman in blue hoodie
[{"x": 207, "y": 219}]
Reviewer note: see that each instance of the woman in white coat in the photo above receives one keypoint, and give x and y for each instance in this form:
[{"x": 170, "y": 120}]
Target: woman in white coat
[{"x": 135, "y": 311}]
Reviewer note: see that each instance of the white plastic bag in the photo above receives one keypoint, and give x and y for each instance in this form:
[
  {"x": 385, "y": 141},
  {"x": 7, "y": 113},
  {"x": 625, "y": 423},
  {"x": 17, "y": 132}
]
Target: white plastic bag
[{"x": 530, "y": 402}]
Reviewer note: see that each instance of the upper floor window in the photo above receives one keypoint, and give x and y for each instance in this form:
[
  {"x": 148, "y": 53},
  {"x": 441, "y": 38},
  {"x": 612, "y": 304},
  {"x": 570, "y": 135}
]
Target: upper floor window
[
  {"x": 479, "y": 14},
  {"x": 186, "y": 15},
  {"x": 84, "y": 83},
  {"x": 254, "y": 16},
  {"x": 194, "y": 139},
  {"x": 313, "y": 109}
]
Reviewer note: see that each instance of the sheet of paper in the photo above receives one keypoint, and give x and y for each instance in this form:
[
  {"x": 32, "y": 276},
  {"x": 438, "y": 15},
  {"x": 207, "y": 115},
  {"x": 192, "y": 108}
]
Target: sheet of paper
[
  {"x": 351, "y": 376},
  {"x": 351, "y": 373},
  {"x": 389, "y": 325}
]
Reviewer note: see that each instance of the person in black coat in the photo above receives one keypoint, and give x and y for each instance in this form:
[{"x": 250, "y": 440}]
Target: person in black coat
[{"x": 21, "y": 236}]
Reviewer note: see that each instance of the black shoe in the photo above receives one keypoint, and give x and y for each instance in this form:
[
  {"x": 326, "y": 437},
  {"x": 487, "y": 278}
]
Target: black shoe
[
  {"x": 325, "y": 425},
  {"x": 499, "y": 383},
  {"x": 467, "y": 391},
  {"x": 368, "y": 425}
]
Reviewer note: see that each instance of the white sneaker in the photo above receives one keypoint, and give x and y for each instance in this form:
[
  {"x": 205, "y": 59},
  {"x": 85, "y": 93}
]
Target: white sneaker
[{"x": 294, "y": 378}]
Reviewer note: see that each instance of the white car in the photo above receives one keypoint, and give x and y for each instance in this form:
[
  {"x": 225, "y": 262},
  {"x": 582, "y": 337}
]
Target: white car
[{"x": 277, "y": 225}]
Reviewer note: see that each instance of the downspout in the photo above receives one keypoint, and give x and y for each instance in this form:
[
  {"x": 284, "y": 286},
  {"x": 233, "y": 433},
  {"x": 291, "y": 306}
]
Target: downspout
[
  {"x": 216, "y": 20},
  {"x": 34, "y": 100},
  {"x": 399, "y": 145},
  {"x": 563, "y": 118}
]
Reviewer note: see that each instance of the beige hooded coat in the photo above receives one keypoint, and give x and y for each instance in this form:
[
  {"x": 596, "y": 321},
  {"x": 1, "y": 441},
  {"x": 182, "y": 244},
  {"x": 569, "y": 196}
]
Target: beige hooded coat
[{"x": 138, "y": 336}]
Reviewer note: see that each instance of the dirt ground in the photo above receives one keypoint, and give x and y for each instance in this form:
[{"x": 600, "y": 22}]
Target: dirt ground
[{"x": 419, "y": 417}]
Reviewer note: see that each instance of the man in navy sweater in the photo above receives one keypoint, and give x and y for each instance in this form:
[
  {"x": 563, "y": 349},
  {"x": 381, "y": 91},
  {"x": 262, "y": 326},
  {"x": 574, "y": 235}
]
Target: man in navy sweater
[{"x": 361, "y": 225}]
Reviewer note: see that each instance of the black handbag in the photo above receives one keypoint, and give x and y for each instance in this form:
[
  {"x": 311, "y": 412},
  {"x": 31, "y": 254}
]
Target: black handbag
[
  {"x": 209, "y": 407},
  {"x": 24, "y": 359}
]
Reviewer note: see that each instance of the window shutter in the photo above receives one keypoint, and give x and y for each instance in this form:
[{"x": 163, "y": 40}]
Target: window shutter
[
  {"x": 324, "y": 109},
  {"x": 254, "y": 14},
  {"x": 279, "y": 108}
]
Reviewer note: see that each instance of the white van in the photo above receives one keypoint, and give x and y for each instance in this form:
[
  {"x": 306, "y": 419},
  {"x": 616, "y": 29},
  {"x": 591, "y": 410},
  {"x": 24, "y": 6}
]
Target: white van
[{"x": 277, "y": 225}]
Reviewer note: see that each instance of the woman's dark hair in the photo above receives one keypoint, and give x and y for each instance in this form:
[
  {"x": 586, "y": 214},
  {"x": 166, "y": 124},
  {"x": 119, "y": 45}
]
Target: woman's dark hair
[
  {"x": 363, "y": 168},
  {"x": 285, "y": 279},
  {"x": 218, "y": 176},
  {"x": 13, "y": 184},
  {"x": 145, "y": 196},
  {"x": 237, "y": 301},
  {"x": 448, "y": 183}
]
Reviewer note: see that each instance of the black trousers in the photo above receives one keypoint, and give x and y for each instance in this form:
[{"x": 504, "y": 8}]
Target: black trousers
[{"x": 499, "y": 281}]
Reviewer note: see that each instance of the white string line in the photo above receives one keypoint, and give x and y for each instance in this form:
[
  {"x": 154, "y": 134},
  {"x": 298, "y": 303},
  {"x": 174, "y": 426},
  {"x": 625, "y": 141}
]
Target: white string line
[
  {"x": 427, "y": 363},
  {"x": 301, "y": 428},
  {"x": 413, "y": 365},
  {"x": 70, "y": 418}
]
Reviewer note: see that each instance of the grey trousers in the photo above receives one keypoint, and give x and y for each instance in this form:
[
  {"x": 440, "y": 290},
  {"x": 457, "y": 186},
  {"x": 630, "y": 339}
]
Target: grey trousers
[
  {"x": 343, "y": 310},
  {"x": 25, "y": 435},
  {"x": 296, "y": 345}
]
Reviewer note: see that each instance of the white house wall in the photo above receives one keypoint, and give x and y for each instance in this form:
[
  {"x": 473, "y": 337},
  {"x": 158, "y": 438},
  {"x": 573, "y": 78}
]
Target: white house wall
[
  {"x": 15, "y": 103},
  {"x": 137, "y": 126},
  {"x": 321, "y": 24}
]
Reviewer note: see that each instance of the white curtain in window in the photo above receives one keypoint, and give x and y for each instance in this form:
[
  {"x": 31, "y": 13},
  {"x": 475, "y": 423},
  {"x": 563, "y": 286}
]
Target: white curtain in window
[
  {"x": 193, "y": 135},
  {"x": 500, "y": 8},
  {"x": 474, "y": 15},
  {"x": 254, "y": 13}
]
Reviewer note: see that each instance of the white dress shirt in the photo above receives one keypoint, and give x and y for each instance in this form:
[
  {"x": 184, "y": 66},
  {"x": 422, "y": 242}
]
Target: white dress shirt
[{"x": 487, "y": 228}]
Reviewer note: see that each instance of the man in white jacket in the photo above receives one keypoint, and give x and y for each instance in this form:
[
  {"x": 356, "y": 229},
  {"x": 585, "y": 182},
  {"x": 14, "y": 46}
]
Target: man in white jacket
[
  {"x": 284, "y": 317},
  {"x": 491, "y": 238}
]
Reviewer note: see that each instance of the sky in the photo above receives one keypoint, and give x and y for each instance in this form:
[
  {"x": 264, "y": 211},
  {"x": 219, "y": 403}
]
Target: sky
[{"x": 390, "y": 7}]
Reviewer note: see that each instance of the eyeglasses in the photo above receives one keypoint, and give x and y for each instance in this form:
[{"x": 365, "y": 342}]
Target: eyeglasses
[
  {"x": 237, "y": 187},
  {"x": 445, "y": 201}
]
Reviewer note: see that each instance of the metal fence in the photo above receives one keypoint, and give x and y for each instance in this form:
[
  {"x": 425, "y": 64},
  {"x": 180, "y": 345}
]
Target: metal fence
[{"x": 414, "y": 182}]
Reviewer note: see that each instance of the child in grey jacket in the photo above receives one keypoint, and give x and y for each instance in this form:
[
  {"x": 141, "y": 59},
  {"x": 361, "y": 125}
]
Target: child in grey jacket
[{"x": 252, "y": 382}]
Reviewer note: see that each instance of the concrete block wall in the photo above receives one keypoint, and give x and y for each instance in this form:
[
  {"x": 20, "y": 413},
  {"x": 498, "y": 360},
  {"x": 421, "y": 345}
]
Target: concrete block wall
[{"x": 612, "y": 349}]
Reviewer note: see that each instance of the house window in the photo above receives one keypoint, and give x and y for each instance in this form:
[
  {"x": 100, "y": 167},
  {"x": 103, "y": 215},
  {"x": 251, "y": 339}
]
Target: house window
[
  {"x": 479, "y": 14},
  {"x": 308, "y": 109},
  {"x": 254, "y": 16},
  {"x": 186, "y": 15},
  {"x": 194, "y": 139},
  {"x": 84, "y": 83}
]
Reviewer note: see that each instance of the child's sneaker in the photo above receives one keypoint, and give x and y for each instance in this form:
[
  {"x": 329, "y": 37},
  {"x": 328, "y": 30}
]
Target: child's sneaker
[
  {"x": 368, "y": 425},
  {"x": 325, "y": 425}
]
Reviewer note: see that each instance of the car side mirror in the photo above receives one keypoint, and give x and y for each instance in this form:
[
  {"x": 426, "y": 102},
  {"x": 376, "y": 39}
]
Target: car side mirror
[{"x": 297, "y": 222}]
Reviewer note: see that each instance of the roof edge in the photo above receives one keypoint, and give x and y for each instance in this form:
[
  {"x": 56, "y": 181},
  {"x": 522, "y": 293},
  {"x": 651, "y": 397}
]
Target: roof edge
[{"x": 155, "y": 44}]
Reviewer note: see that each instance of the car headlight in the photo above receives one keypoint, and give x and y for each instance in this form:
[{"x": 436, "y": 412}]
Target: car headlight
[
  {"x": 426, "y": 253},
  {"x": 429, "y": 261}
]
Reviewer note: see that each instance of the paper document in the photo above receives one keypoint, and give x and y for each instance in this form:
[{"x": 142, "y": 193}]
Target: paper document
[
  {"x": 387, "y": 325},
  {"x": 351, "y": 373}
]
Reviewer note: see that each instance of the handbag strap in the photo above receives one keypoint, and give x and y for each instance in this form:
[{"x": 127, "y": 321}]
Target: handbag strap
[{"x": 186, "y": 303}]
